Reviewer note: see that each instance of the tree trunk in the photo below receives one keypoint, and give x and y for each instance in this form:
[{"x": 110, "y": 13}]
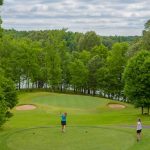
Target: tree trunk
[
  {"x": 104, "y": 94},
  {"x": 88, "y": 91},
  {"x": 28, "y": 83},
  {"x": 46, "y": 85},
  {"x": 94, "y": 92},
  {"x": 32, "y": 85},
  {"x": 36, "y": 84},
  {"x": 109, "y": 95},
  {"x": 40, "y": 84},
  {"x": 19, "y": 83},
  {"x": 61, "y": 87},
  {"x": 84, "y": 91},
  {"x": 142, "y": 110}
]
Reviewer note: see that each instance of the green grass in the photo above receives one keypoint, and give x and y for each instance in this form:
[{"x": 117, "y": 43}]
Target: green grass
[
  {"x": 92, "y": 125},
  {"x": 76, "y": 138}
]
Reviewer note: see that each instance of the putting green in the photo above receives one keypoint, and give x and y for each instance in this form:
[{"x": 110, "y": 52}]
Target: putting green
[
  {"x": 71, "y": 101},
  {"x": 73, "y": 104},
  {"x": 75, "y": 138}
]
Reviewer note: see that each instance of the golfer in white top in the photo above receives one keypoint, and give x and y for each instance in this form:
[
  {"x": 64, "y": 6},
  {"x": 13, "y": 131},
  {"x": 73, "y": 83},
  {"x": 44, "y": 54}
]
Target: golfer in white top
[{"x": 139, "y": 129}]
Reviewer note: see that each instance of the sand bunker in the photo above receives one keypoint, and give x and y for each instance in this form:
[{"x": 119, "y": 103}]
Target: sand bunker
[
  {"x": 116, "y": 106},
  {"x": 26, "y": 107}
]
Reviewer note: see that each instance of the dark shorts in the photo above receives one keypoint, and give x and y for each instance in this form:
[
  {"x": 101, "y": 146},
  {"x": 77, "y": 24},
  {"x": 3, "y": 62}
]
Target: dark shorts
[
  {"x": 138, "y": 131},
  {"x": 63, "y": 123}
]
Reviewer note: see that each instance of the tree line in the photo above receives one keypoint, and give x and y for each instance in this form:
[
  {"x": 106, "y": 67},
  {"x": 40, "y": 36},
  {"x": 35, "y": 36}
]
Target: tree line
[{"x": 60, "y": 60}]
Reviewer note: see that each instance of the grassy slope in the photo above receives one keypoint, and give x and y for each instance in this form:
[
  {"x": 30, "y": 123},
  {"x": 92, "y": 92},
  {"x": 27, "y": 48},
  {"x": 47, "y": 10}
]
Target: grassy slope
[{"x": 82, "y": 110}]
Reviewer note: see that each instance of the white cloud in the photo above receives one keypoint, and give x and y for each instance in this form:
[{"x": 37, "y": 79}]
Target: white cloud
[{"x": 111, "y": 17}]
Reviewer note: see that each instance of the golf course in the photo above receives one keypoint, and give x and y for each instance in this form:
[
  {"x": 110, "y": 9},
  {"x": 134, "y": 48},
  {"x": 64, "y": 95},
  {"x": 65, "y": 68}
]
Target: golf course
[
  {"x": 93, "y": 123},
  {"x": 74, "y": 75}
]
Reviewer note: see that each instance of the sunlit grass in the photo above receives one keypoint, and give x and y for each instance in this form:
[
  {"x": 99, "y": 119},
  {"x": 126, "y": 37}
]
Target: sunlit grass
[{"x": 82, "y": 111}]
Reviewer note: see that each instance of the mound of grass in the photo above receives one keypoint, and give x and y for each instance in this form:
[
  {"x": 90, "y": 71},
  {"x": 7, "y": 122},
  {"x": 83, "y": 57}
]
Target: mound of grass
[{"x": 76, "y": 138}]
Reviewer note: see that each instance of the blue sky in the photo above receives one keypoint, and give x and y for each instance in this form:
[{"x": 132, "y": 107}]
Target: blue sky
[{"x": 106, "y": 17}]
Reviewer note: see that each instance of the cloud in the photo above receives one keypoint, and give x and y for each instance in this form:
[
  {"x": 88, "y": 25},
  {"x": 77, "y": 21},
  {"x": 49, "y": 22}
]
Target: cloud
[{"x": 111, "y": 17}]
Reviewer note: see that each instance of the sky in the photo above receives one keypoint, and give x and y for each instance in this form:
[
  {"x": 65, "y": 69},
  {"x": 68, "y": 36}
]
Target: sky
[{"x": 105, "y": 17}]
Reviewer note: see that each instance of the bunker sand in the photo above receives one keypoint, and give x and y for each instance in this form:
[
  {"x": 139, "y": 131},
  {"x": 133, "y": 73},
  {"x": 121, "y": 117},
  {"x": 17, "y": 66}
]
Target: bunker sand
[
  {"x": 116, "y": 106},
  {"x": 26, "y": 107}
]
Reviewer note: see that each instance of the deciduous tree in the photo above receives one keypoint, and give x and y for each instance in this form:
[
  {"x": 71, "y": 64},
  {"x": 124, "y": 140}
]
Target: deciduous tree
[{"x": 137, "y": 80}]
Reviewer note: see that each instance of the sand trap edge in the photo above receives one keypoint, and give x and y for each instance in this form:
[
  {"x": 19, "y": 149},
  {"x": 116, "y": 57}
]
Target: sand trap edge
[
  {"x": 25, "y": 107},
  {"x": 116, "y": 106}
]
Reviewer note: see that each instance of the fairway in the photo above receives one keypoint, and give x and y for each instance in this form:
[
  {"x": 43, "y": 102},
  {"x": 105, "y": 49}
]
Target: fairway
[{"x": 91, "y": 124}]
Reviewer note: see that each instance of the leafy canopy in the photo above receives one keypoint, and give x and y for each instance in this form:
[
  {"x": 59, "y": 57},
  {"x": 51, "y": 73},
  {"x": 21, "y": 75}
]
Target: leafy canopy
[{"x": 137, "y": 79}]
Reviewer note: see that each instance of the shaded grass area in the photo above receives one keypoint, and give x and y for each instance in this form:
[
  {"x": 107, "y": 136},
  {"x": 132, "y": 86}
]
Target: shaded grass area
[{"x": 82, "y": 111}]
